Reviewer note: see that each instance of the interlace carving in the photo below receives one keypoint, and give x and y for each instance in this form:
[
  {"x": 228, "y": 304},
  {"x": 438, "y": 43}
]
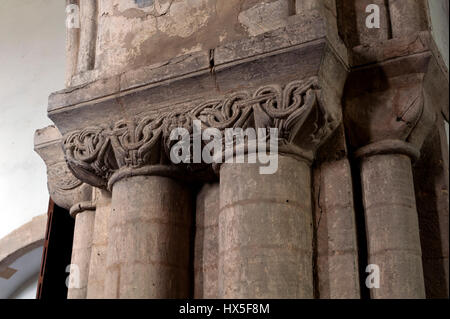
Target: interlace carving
[{"x": 295, "y": 110}]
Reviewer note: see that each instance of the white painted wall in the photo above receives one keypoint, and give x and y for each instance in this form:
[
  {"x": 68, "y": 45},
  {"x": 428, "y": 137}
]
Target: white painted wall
[{"x": 32, "y": 64}]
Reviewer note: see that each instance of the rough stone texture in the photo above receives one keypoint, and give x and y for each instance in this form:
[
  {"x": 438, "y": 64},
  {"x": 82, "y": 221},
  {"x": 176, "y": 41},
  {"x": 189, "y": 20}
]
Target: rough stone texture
[
  {"x": 148, "y": 239},
  {"x": 386, "y": 133},
  {"x": 97, "y": 266},
  {"x": 407, "y": 17},
  {"x": 352, "y": 20},
  {"x": 206, "y": 251},
  {"x": 88, "y": 35},
  {"x": 337, "y": 250},
  {"x": 64, "y": 188},
  {"x": 392, "y": 226},
  {"x": 265, "y": 231},
  {"x": 129, "y": 37},
  {"x": 81, "y": 253},
  {"x": 264, "y": 17},
  {"x": 163, "y": 59}
]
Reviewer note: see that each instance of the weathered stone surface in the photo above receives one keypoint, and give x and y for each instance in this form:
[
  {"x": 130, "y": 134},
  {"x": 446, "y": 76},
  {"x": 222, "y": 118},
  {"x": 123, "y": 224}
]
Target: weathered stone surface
[
  {"x": 159, "y": 64},
  {"x": 337, "y": 250},
  {"x": 295, "y": 54},
  {"x": 64, "y": 188},
  {"x": 407, "y": 17},
  {"x": 265, "y": 231},
  {"x": 352, "y": 21},
  {"x": 149, "y": 235},
  {"x": 97, "y": 265},
  {"x": 81, "y": 253},
  {"x": 393, "y": 100},
  {"x": 103, "y": 155},
  {"x": 392, "y": 226},
  {"x": 264, "y": 17},
  {"x": 206, "y": 250}
]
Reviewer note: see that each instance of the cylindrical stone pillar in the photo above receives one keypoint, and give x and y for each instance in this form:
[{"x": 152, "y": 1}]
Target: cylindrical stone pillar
[
  {"x": 392, "y": 226},
  {"x": 84, "y": 214},
  {"x": 265, "y": 231},
  {"x": 96, "y": 281},
  {"x": 149, "y": 239},
  {"x": 337, "y": 249},
  {"x": 207, "y": 243}
]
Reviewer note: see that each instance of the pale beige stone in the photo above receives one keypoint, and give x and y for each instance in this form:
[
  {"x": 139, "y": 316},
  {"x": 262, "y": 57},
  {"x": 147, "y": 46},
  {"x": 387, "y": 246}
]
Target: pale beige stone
[{"x": 265, "y": 231}]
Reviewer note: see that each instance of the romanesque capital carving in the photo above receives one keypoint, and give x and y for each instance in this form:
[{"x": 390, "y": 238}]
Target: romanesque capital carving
[
  {"x": 142, "y": 145},
  {"x": 65, "y": 189},
  {"x": 388, "y": 114}
]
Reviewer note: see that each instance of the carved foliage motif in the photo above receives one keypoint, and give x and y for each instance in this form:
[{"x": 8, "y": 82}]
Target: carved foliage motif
[
  {"x": 61, "y": 178},
  {"x": 95, "y": 153}
]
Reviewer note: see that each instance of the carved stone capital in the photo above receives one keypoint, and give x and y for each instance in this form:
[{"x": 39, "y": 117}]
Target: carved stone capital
[
  {"x": 385, "y": 112},
  {"x": 141, "y": 146},
  {"x": 65, "y": 189}
]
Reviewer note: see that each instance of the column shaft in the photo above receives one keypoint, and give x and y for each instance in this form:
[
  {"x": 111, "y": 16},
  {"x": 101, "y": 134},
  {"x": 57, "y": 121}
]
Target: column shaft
[
  {"x": 207, "y": 243},
  {"x": 149, "y": 239},
  {"x": 392, "y": 226},
  {"x": 265, "y": 231},
  {"x": 336, "y": 233},
  {"x": 96, "y": 282},
  {"x": 81, "y": 254}
]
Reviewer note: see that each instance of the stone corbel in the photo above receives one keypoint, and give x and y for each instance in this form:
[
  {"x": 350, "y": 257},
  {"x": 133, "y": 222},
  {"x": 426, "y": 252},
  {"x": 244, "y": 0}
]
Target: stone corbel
[{"x": 64, "y": 188}]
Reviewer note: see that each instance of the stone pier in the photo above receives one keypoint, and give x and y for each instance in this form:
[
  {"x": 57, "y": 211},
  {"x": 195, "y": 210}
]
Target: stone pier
[{"x": 352, "y": 109}]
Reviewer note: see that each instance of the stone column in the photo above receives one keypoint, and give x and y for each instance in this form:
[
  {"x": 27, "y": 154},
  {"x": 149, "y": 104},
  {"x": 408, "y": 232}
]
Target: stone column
[
  {"x": 386, "y": 126},
  {"x": 149, "y": 238},
  {"x": 206, "y": 250},
  {"x": 97, "y": 266},
  {"x": 265, "y": 231},
  {"x": 337, "y": 250},
  {"x": 392, "y": 224},
  {"x": 265, "y": 220},
  {"x": 70, "y": 193},
  {"x": 149, "y": 227},
  {"x": 84, "y": 214}
]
